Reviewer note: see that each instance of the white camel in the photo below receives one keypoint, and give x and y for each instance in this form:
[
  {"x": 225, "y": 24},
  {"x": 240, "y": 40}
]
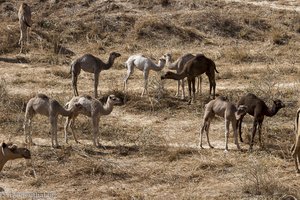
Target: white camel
[
  {"x": 223, "y": 108},
  {"x": 144, "y": 64},
  {"x": 43, "y": 105},
  {"x": 25, "y": 22},
  {"x": 93, "y": 108}
]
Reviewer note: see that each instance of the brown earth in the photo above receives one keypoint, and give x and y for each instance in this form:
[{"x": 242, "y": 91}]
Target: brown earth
[{"x": 150, "y": 144}]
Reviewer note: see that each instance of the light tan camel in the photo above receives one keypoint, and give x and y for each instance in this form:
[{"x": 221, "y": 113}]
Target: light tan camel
[
  {"x": 193, "y": 68},
  {"x": 257, "y": 108},
  {"x": 144, "y": 64},
  {"x": 93, "y": 108},
  {"x": 223, "y": 108},
  {"x": 43, "y": 105},
  {"x": 12, "y": 152},
  {"x": 90, "y": 64},
  {"x": 296, "y": 146},
  {"x": 178, "y": 66},
  {"x": 25, "y": 22}
]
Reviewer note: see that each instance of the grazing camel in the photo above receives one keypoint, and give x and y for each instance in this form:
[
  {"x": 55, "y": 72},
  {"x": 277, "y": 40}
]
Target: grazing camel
[
  {"x": 144, "y": 64},
  {"x": 91, "y": 64},
  {"x": 25, "y": 22},
  {"x": 223, "y": 108},
  {"x": 12, "y": 152},
  {"x": 296, "y": 146},
  {"x": 93, "y": 108},
  {"x": 178, "y": 66},
  {"x": 193, "y": 68},
  {"x": 43, "y": 105},
  {"x": 257, "y": 108}
]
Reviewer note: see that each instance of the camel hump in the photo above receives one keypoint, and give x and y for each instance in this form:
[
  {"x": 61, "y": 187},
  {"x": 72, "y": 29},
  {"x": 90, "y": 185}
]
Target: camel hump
[{"x": 42, "y": 96}]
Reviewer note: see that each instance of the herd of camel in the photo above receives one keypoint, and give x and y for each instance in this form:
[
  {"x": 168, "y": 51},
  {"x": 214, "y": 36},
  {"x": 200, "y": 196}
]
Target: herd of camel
[{"x": 187, "y": 66}]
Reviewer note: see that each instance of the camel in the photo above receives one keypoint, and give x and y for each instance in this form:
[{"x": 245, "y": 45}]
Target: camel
[
  {"x": 93, "y": 108},
  {"x": 296, "y": 146},
  {"x": 178, "y": 66},
  {"x": 90, "y": 64},
  {"x": 25, "y": 22},
  {"x": 144, "y": 64},
  {"x": 193, "y": 68},
  {"x": 223, "y": 108},
  {"x": 257, "y": 108},
  {"x": 43, "y": 105},
  {"x": 12, "y": 152}
]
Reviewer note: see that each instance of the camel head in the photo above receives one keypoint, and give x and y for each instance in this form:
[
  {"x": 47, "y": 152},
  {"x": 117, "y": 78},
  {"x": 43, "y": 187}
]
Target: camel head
[
  {"x": 114, "y": 55},
  {"x": 241, "y": 111},
  {"x": 167, "y": 56},
  {"x": 167, "y": 75},
  {"x": 112, "y": 99},
  {"x": 278, "y": 104},
  {"x": 11, "y": 152},
  {"x": 161, "y": 62}
]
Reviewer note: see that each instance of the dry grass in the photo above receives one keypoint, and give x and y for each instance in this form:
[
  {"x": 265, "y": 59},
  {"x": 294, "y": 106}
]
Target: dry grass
[{"x": 149, "y": 143}]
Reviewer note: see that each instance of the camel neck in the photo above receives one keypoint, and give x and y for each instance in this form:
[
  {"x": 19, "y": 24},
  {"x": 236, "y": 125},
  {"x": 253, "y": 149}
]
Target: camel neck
[
  {"x": 171, "y": 66},
  {"x": 3, "y": 160},
  {"x": 273, "y": 111},
  {"x": 109, "y": 63},
  {"x": 107, "y": 108}
]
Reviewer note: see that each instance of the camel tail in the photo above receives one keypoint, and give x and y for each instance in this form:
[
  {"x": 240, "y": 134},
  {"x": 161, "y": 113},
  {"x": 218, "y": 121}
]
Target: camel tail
[
  {"x": 73, "y": 64},
  {"x": 214, "y": 65}
]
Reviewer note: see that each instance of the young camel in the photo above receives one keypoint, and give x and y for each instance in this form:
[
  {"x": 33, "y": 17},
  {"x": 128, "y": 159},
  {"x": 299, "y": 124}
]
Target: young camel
[
  {"x": 223, "y": 108},
  {"x": 193, "y": 68},
  {"x": 296, "y": 146},
  {"x": 257, "y": 108},
  {"x": 178, "y": 66},
  {"x": 93, "y": 108},
  {"x": 90, "y": 64},
  {"x": 25, "y": 22},
  {"x": 43, "y": 105},
  {"x": 144, "y": 64},
  {"x": 12, "y": 152}
]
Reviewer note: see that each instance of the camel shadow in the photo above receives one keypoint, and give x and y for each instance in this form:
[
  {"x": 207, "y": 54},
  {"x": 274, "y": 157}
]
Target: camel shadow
[{"x": 14, "y": 60}]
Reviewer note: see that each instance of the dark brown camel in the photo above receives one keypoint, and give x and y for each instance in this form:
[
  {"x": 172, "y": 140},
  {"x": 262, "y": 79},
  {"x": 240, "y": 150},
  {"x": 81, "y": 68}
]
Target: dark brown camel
[
  {"x": 192, "y": 69},
  {"x": 257, "y": 108}
]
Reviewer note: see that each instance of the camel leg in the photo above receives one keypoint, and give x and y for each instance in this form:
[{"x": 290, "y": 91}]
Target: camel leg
[
  {"x": 96, "y": 82},
  {"x": 26, "y": 126},
  {"x": 227, "y": 123},
  {"x": 21, "y": 40},
  {"x": 239, "y": 124},
  {"x": 74, "y": 83},
  {"x": 183, "y": 90},
  {"x": 66, "y": 126},
  {"x": 194, "y": 89},
  {"x": 236, "y": 141},
  {"x": 72, "y": 130},
  {"x": 129, "y": 73},
  {"x": 201, "y": 133},
  {"x": 298, "y": 170},
  {"x": 259, "y": 133},
  {"x": 190, "y": 88},
  {"x": 95, "y": 121},
  {"x": 207, "y": 134},
  {"x": 212, "y": 85},
  {"x": 255, "y": 123},
  {"x": 53, "y": 122},
  {"x": 146, "y": 74}
]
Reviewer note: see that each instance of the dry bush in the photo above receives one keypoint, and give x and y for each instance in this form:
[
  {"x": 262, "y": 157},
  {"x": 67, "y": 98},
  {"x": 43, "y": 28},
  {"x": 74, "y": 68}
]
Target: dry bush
[{"x": 258, "y": 179}]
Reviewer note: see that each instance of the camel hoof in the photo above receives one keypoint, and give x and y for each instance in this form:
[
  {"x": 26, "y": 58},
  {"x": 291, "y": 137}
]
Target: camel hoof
[
  {"x": 298, "y": 171},
  {"x": 226, "y": 151},
  {"x": 211, "y": 146},
  {"x": 56, "y": 146}
]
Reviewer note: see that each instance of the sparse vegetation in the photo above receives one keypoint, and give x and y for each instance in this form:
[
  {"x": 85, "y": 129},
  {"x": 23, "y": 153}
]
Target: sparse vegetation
[{"x": 148, "y": 145}]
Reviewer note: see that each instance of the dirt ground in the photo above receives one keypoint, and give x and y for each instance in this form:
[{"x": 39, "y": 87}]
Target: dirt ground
[{"x": 150, "y": 144}]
